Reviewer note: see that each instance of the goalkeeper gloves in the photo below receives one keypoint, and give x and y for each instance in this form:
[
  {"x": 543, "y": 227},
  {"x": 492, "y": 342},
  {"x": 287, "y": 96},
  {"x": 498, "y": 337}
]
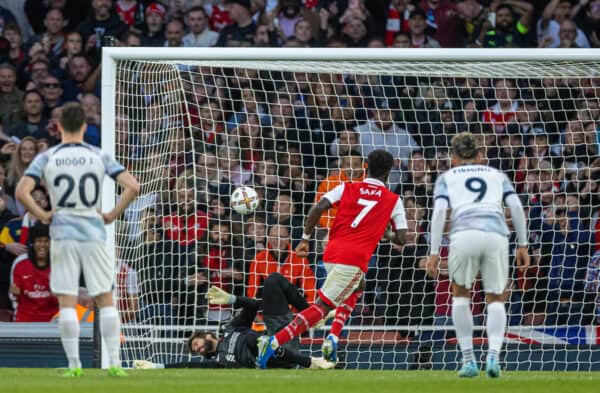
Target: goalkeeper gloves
[
  {"x": 216, "y": 295},
  {"x": 146, "y": 365}
]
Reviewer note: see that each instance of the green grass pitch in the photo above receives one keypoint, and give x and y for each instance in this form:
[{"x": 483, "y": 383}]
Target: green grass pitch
[{"x": 284, "y": 381}]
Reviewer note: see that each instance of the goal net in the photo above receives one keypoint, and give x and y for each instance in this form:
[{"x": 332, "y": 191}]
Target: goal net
[{"x": 194, "y": 127}]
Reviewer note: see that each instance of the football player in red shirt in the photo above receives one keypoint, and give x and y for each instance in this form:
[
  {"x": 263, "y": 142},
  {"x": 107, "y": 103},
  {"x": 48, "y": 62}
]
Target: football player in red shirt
[{"x": 365, "y": 210}]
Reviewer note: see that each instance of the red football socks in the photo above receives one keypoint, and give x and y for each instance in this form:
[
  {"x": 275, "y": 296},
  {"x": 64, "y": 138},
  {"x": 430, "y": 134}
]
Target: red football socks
[
  {"x": 301, "y": 323},
  {"x": 342, "y": 313}
]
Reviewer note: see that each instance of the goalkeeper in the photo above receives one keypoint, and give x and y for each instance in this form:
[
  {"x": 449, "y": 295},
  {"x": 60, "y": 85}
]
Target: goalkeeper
[{"x": 237, "y": 347}]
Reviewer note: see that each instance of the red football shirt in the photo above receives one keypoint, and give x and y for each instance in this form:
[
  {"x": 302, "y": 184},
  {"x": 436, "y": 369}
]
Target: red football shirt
[
  {"x": 364, "y": 211},
  {"x": 35, "y": 303},
  {"x": 185, "y": 230}
]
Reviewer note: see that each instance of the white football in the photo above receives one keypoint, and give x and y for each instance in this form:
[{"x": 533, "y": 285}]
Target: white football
[{"x": 244, "y": 200}]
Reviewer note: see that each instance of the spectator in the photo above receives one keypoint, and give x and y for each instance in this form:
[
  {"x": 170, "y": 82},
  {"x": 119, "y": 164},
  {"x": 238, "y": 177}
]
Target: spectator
[
  {"x": 443, "y": 18},
  {"x": 101, "y": 22},
  {"x": 16, "y": 54},
  {"x": 255, "y": 239},
  {"x": 11, "y": 98},
  {"x": 218, "y": 263},
  {"x": 186, "y": 224},
  {"x": 347, "y": 141},
  {"x": 53, "y": 39},
  {"x": 39, "y": 71},
  {"x": 397, "y": 20},
  {"x": 401, "y": 40},
  {"x": 30, "y": 280},
  {"x": 73, "y": 46},
  {"x": 128, "y": 11},
  {"x": 153, "y": 30},
  {"x": 34, "y": 122},
  {"x": 587, "y": 15},
  {"x": 199, "y": 32},
  {"x": 174, "y": 34},
  {"x": 243, "y": 29},
  {"x": 91, "y": 106},
  {"x": 351, "y": 169},
  {"x": 80, "y": 71},
  {"x": 550, "y": 25},
  {"x": 283, "y": 212},
  {"x": 355, "y": 33},
  {"x": 8, "y": 253},
  {"x": 417, "y": 26},
  {"x": 52, "y": 93},
  {"x": 381, "y": 132},
  {"x": 506, "y": 33},
  {"x": 280, "y": 257},
  {"x": 25, "y": 152},
  {"x": 505, "y": 108}
]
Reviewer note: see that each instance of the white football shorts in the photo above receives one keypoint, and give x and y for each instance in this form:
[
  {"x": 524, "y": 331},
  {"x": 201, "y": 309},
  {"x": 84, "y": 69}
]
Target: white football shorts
[
  {"x": 474, "y": 251},
  {"x": 70, "y": 257},
  {"x": 341, "y": 282}
]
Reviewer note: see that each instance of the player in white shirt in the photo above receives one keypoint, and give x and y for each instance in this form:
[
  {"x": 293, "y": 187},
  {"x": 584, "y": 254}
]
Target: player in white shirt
[
  {"x": 74, "y": 173},
  {"x": 478, "y": 244}
]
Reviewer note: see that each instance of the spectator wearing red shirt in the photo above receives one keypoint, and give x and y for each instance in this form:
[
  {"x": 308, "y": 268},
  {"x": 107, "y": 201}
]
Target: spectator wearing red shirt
[
  {"x": 279, "y": 257},
  {"x": 30, "y": 280},
  {"x": 505, "y": 108},
  {"x": 186, "y": 224},
  {"x": 443, "y": 18}
]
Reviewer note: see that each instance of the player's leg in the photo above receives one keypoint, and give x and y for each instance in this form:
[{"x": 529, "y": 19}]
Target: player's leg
[
  {"x": 342, "y": 313},
  {"x": 278, "y": 293},
  {"x": 64, "y": 283},
  {"x": 494, "y": 272},
  {"x": 463, "y": 266},
  {"x": 340, "y": 283},
  {"x": 99, "y": 276}
]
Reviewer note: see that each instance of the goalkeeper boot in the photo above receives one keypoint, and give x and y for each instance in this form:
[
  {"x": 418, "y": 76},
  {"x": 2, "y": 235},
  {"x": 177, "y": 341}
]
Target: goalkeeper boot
[
  {"x": 73, "y": 373},
  {"x": 329, "y": 348},
  {"x": 492, "y": 367},
  {"x": 468, "y": 370},
  {"x": 266, "y": 350},
  {"x": 116, "y": 372}
]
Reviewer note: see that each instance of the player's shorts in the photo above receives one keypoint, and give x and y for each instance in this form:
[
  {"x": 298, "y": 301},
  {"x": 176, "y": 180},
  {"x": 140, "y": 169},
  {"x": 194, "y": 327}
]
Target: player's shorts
[
  {"x": 475, "y": 251},
  {"x": 341, "y": 282},
  {"x": 70, "y": 257}
]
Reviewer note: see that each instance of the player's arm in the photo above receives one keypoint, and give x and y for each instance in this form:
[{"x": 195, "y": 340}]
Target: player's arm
[
  {"x": 311, "y": 221},
  {"x": 438, "y": 219},
  {"x": 518, "y": 218},
  {"x": 397, "y": 232},
  {"x": 250, "y": 307},
  {"x": 23, "y": 195},
  {"x": 131, "y": 189}
]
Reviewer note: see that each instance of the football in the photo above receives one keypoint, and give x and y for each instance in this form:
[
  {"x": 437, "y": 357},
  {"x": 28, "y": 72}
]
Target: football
[{"x": 244, "y": 200}]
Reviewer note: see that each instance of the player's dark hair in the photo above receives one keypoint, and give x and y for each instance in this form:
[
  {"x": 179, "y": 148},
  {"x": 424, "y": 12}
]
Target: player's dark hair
[
  {"x": 196, "y": 335},
  {"x": 72, "y": 117},
  {"x": 38, "y": 230},
  {"x": 379, "y": 162}
]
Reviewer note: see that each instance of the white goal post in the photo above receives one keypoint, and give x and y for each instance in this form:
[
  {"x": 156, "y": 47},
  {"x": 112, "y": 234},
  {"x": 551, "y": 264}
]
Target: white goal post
[{"x": 181, "y": 119}]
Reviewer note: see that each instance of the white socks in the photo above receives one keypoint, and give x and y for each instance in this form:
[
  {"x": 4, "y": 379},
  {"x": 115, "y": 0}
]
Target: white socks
[
  {"x": 110, "y": 328},
  {"x": 495, "y": 327},
  {"x": 68, "y": 325},
  {"x": 462, "y": 319}
]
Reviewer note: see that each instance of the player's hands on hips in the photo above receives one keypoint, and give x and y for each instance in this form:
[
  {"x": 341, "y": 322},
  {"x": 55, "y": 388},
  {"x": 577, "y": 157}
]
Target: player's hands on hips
[
  {"x": 302, "y": 249},
  {"x": 216, "y": 295},
  {"x": 523, "y": 259},
  {"x": 108, "y": 217},
  {"x": 432, "y": 265},
  {"x": 45, "y": 217}
]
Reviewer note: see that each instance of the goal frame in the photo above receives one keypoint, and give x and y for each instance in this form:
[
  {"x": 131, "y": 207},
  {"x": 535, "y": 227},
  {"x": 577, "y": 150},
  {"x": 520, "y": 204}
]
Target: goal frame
[{"x": 110, "y": 56}]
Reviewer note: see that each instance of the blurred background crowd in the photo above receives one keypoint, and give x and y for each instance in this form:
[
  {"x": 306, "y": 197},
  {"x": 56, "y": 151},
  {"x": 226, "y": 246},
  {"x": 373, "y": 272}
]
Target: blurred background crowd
[{"x": 192, "y": 134}]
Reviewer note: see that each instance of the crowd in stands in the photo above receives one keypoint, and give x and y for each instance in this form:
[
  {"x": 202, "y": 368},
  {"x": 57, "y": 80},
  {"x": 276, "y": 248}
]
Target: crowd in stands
[{"x": 294, "y": 136}]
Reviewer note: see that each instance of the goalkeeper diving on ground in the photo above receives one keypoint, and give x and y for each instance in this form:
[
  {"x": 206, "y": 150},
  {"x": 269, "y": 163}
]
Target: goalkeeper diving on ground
[{"x": 237, "y": 346}]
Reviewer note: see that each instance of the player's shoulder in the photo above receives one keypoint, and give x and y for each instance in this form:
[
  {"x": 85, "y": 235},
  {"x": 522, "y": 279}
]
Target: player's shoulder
[{"x": 20, "y": 263}]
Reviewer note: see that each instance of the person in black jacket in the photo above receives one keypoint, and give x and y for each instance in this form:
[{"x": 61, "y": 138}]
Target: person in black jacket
[{"x": 237, "y": 345}]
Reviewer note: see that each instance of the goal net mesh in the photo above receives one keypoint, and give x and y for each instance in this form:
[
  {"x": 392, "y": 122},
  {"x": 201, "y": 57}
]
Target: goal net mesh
[{"x": 192, "y": 131}]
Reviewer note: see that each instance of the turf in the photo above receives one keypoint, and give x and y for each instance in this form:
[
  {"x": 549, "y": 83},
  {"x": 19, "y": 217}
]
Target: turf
[{"x": 304, "y": 381}]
